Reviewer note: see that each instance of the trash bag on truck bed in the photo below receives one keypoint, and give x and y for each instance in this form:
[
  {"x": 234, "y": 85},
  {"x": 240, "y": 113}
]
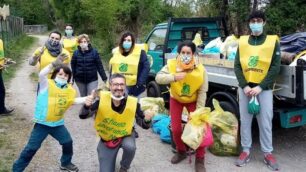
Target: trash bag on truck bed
[
  {"x": 293, "y": 43},
  {"x": 225, "y": 132}
]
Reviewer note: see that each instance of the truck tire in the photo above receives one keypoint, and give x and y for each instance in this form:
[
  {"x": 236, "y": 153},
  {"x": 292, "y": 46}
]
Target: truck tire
[
  {"x": 153, "y": 89},
  {"x": 228, "y": 106}
]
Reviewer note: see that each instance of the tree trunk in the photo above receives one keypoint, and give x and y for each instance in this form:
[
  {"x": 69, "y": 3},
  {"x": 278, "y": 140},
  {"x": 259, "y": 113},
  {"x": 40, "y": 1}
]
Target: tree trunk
[{"x": 255, "y": 5}]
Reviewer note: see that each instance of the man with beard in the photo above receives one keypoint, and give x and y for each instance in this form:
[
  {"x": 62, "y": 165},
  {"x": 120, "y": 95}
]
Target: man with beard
[
  {"x": 49, "y": 52},
  {"x": 114, "y": 122}
]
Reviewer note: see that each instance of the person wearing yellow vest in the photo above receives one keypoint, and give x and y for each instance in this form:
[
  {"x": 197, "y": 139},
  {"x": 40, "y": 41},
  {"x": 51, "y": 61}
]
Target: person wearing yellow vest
[
  {"x": 114, "y": 122},
  {"x": 257, "y": 64},
  {"x": 55, "y": 96},
  {"x": 3, "y": 110},
  {"x": 132, "y": 62},
  {"x": 49, "y": 52},
  {"x": 188, "y": 87},
  {"x": 70, "y": 41}
]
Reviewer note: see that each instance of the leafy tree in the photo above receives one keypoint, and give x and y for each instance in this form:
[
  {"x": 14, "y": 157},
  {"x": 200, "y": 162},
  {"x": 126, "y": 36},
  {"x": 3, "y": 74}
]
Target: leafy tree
[{"x": 286, "y": 16}]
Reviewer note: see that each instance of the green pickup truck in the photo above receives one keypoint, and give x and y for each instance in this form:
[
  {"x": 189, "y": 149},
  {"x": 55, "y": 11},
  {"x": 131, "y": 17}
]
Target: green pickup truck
[
  {"x": 290, "y": 86},
  {"x": 164, "y": 38}
]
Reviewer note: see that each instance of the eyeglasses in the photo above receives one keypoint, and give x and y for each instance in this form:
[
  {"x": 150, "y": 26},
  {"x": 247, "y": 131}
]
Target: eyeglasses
[
  {"x": 256, "y": 20},
  {"x": 118, "y": 84}
]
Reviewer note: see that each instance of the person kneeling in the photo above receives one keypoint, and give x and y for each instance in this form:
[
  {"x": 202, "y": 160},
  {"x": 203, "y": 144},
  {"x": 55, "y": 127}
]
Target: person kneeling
[{"x": 114, "y": 122}]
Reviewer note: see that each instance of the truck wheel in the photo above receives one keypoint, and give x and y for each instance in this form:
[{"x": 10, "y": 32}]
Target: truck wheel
[
  {"x": 153, "y": 89},
  {"x": 228, "y": 106}
]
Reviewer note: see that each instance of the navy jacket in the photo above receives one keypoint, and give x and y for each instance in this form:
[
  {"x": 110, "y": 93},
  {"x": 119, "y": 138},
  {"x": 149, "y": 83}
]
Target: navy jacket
[{"x": 85, "y": 65}]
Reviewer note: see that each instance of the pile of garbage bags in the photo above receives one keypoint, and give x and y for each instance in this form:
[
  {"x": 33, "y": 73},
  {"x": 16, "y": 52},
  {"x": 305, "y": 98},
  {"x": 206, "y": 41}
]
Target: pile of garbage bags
[
  {"x": 293, "y": 47},
  {"x": 152, "y": 105},
  {"x": 225, "y": 132},
  {"x": 228, "y": 48}
]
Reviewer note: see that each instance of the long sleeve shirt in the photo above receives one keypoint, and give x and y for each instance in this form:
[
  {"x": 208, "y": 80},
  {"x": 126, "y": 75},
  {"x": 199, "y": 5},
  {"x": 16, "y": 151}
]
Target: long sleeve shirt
[
  {"x": 43, "y": 83},
  {"x": 273, "y": 71},
  {"x": 139, "y": 116},
  {"x": 165, "y": 77}
]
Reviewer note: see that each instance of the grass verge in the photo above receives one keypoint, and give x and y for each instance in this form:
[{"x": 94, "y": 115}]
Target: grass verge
[
  {"x": 10, "y": 125},
  {"x": 14, "y": 50}
]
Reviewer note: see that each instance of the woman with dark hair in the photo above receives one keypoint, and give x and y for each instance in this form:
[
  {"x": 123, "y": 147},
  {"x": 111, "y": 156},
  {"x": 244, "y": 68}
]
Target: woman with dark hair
[
  {"x": 86, "y": 64},
  {"x": 70, "y": 41},
  {"x": 131, "y": 61},
  {"x": 188, "y": 87},
  {"x": 55, "y": 96}
]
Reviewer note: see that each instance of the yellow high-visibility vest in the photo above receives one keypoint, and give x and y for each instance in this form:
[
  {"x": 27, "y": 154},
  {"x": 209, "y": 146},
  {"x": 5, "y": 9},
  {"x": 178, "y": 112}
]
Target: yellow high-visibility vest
[
  {"x": 59, "y": 100},
  {"x": 185, "y": 91},
  {"x": 255, "y": 60},
  {"x": 110, "y": 124},
  {"x": 70, "y": 44},
  {"x": 127, "y": 66},
  {"x": 1, "y": 53}
]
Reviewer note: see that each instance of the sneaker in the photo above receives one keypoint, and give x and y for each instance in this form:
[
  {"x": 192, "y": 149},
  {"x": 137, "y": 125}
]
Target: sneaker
[
  {"x": 69, "y": 167},
  {"x": 243, "y": 159},
  {"x": 178, "y": 157},
  {"x": 6, "y": 112},
  {"x": 199, "y": 165},
  {"x": 271, "y": 162}
]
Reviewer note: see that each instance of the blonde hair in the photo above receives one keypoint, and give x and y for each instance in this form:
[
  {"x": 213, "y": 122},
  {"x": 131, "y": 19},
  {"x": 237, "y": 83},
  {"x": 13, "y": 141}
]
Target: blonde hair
[{"x": 80, "y": 37}]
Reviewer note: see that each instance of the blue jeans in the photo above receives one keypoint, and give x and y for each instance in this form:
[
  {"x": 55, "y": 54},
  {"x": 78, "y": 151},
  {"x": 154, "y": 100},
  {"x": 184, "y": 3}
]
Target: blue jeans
[{"x": 38, "y": 135}]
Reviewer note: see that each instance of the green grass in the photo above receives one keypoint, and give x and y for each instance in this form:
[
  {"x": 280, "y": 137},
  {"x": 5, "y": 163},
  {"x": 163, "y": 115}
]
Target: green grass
[
  {"x": 103, "y": 49},
  {"x": 15, "y": 50},
  {"x": 9, "y": 125}
]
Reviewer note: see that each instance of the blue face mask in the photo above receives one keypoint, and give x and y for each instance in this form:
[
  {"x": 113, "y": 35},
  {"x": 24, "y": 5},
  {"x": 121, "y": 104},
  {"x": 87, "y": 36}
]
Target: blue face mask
[
  {"x": 256, "y": 28},
  {"x": 68, "y": 32},
  {"x": 60, "y": 82},
  {"x": 127, "y": 45}
]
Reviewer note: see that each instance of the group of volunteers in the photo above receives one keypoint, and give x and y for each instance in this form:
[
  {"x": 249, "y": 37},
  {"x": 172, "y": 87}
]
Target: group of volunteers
[{"x": 257, "y": 64}]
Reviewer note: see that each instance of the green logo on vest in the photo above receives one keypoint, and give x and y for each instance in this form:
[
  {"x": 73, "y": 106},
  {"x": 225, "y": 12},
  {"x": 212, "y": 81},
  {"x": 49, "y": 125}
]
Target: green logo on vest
[
  {"x": 123, "y": 67},
  {"x": 253, "y": 61},
  {"x": 62, "y": 101},
  {"x": 186, "y": 89}
]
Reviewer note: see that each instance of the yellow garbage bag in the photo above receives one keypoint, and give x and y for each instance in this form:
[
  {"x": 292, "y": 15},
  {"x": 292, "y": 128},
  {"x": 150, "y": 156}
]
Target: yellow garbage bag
[
  {"x": 195, "y": 129},
  {"x": 153, "y": 105},
  {"x": 225, "y": 131}
]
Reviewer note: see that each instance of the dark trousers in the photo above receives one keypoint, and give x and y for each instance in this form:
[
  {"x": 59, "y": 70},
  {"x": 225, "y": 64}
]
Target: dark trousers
[
  {"x": 2, "y": 93},
  {"x": 38, "y": 135}
]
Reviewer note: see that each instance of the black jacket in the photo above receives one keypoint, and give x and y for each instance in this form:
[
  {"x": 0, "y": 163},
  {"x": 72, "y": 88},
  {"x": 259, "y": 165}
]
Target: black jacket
[
  {"x": 139, "y": 116},
  {"x": 85, "y": 65}
]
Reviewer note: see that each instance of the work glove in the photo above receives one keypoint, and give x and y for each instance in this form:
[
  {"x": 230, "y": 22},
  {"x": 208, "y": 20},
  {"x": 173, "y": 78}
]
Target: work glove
[{"x": 59, "y": 60}]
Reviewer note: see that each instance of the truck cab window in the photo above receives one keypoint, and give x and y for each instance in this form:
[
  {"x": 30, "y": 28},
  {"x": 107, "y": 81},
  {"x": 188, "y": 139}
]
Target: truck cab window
[{"x": 157, "y": 39}]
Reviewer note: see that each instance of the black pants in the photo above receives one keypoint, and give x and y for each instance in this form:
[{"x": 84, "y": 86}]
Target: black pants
[{"x": 2, "y": 93}]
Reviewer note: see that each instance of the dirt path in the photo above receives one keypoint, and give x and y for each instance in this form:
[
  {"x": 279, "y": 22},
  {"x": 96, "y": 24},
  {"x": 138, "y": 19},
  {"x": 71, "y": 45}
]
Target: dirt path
[{"x": 151, "y": 155}]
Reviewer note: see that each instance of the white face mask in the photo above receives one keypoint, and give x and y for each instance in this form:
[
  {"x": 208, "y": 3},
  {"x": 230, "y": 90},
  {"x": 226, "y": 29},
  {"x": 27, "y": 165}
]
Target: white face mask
[
  {"x": 84, "y": 45},
  {"x": 60, "y": 81},
  {"x": 117, "y": 98}
]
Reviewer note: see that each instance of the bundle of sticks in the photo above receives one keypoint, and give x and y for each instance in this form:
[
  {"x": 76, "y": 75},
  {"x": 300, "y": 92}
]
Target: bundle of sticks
[{"x": 7, "y": 63}]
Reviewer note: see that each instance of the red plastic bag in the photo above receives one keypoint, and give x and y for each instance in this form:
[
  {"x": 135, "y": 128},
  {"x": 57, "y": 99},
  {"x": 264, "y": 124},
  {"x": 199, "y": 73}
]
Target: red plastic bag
[{"x": 208, "y": 137}]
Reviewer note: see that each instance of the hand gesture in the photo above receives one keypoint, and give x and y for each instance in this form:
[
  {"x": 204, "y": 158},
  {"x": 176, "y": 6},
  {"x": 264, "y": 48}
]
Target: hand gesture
[
  {"x": 89, "y": 99},
  {"x": 59, "y": 60},
  {"x": 255, "y": 91},
  {"x": 247, "y": 91},
  {"x": 179, "y": 76}
]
